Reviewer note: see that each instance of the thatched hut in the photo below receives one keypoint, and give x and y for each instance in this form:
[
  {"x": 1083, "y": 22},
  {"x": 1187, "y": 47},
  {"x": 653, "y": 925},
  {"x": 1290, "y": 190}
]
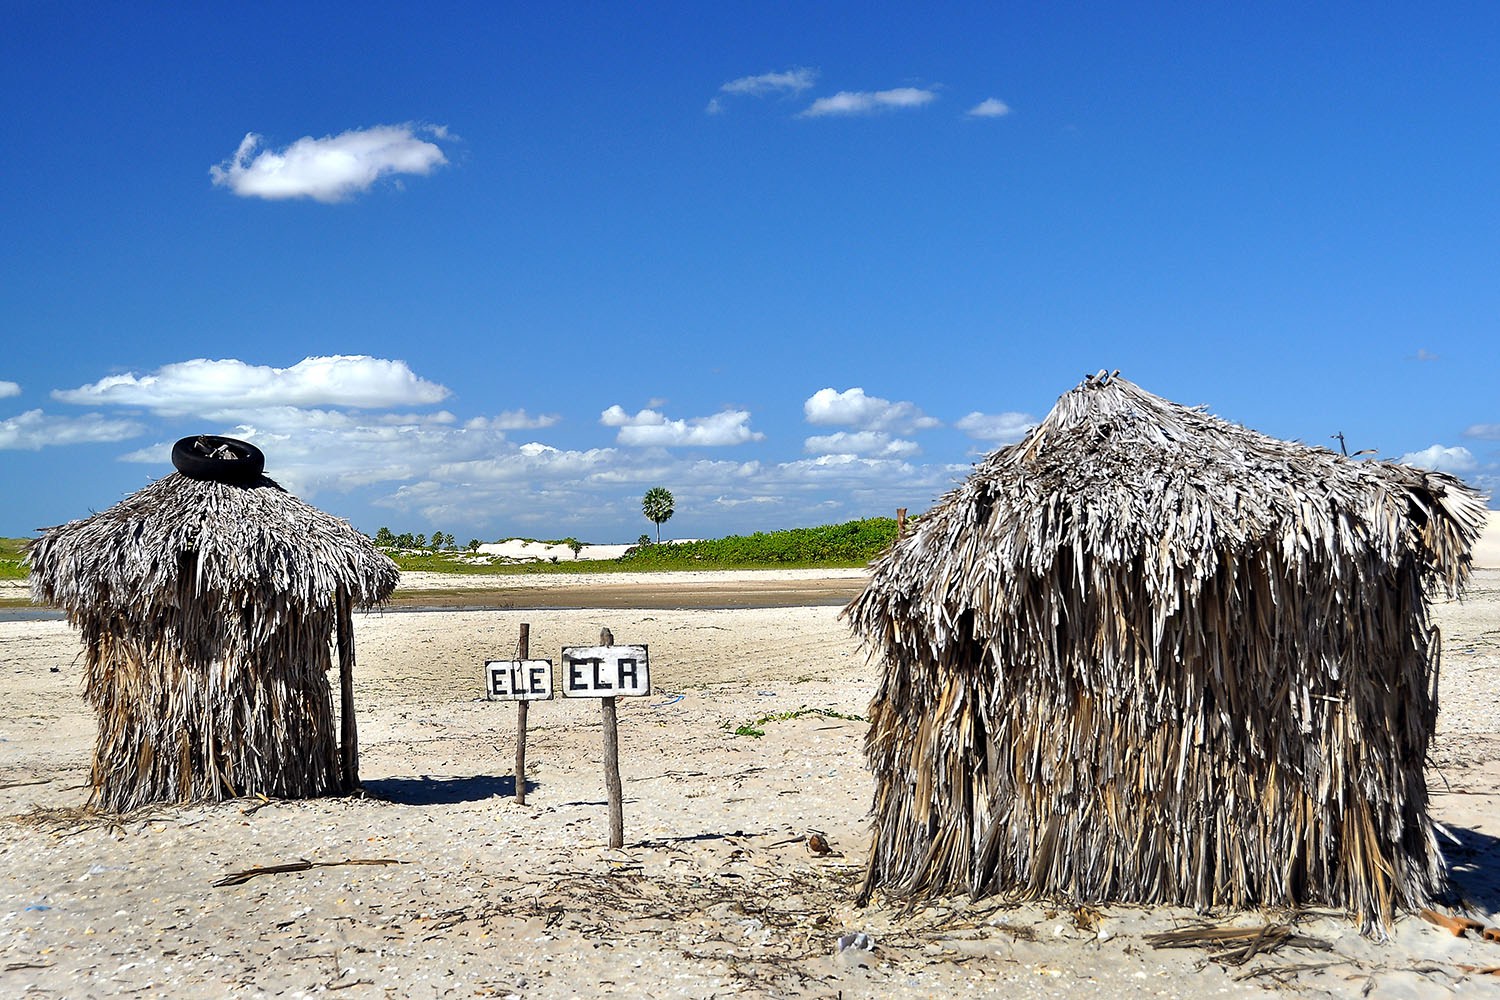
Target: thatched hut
[
  {"x": 208, "y": 609},
  {"x": 1149, "y": 655}
]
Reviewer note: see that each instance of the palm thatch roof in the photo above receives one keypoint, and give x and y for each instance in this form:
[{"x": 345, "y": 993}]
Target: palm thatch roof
[
  {"x": 1149, "y": 655},
  {"x": 207, "y": 610}
]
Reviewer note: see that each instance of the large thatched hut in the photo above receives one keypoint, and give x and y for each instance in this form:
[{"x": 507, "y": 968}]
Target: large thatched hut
[
  {"x": 209, "y": 603},
  {"x": 1149, "y": 655}
]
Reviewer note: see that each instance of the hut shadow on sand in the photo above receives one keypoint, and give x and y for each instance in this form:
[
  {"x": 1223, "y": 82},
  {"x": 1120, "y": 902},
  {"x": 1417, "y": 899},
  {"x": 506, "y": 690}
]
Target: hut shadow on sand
[
  {"x": 1474, "y": 866},
  {"x": 209, "y": 606},
  {"x": 429, "y": 791},
  {"x": 1147, "y": 655}
]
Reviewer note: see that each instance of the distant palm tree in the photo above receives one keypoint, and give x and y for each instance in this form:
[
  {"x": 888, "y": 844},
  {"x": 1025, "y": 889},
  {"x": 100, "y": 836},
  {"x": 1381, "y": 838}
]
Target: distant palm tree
[{"x": 657, "y": 506}]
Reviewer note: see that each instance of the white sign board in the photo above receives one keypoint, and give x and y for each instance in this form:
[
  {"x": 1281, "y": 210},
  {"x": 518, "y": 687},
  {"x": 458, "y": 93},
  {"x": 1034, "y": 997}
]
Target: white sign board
[
  {"x": 605, "y": 671},
  {"x": 518, "y": 680}
]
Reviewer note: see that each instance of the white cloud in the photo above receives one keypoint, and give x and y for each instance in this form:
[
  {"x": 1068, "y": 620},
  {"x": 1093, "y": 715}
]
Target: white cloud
[
  {"x": 1485, "y": 432},
  {"x": 852, "y": 408},
  {"x": 8, "y": 389},
  {"x": 650, "y": 428},
  {"x": 792, "y": 81},
  {"x": 731, "y": 502},
  {"x": 1438, "y": 458},
  {"x": 34, "y": 430},
  {"x": 1001, "y": 428},
  {"x": 1424, "y": 355},
  {"x": 598, "y": 491},
  {"x": 514, "y": 420},
  {"x": 464, "y": 473},
  {"x": 228, "y": 387},
  {"x": 332, "y": 168},
  {"x": 310, "y": 451},
  {"x": 990, "y": 107},
  {"x": 876, "y": 443},
  {"x": 866, "y": 102},
  {"x": 549, "y": 486},
  {"x": 530, "y": 462}
]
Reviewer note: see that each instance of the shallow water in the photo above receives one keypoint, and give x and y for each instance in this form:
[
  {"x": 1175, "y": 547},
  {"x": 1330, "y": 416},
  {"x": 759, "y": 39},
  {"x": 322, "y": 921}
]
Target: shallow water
[{"x": 30, "y": 615}]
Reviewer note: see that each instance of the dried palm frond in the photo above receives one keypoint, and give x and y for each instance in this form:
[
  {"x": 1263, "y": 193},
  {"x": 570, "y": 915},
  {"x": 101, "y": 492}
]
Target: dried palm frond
[
  {"x": 207, "y": 610},
  {"x": 1149, "y": 655}
]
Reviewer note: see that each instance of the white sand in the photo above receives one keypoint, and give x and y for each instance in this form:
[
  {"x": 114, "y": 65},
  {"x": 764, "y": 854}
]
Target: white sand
[{"x": 714, "y": 892}]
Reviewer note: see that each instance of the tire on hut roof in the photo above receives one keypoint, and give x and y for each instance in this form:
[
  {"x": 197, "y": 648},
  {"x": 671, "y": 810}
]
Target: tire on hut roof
[{"x": 219, "y": 459}]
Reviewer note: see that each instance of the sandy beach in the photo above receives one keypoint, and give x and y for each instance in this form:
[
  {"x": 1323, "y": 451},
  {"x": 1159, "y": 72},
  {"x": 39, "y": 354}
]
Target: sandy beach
[{"x": 456, "y": 890}]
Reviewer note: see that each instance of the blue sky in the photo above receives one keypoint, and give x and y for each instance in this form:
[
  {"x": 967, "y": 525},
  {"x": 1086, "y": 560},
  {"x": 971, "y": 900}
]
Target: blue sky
[{"x": 497, "y": 269}]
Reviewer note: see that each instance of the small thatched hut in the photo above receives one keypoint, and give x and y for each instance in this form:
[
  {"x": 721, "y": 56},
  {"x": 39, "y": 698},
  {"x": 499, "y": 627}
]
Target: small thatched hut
[
  {"x": 208, "y": 609},
  {"x": 1149, "y": 655}
]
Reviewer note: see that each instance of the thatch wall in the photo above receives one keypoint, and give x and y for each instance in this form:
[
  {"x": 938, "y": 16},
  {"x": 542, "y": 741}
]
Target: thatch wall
[
  {"x": 1149, "y": 655},
  {"x": 207, "y": 611}
]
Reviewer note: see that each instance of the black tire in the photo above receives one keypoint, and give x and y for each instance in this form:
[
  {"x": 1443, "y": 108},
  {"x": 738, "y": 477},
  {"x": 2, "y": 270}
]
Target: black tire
[{"x": 221, "y": 459}]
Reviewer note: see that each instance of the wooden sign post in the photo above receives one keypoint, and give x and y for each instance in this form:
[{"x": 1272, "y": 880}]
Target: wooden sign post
[
  {"x": 523, "y": 652},
  {"x": 522, "y": 681},
  {"x": 614, "y": 791},
  {"x": 606, "y": 672}
]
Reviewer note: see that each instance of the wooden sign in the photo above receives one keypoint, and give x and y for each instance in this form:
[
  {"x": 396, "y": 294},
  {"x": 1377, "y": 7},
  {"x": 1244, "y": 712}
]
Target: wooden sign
[
  {"x": 518, "y": 680},
  {"x": 605, "y": 671}
]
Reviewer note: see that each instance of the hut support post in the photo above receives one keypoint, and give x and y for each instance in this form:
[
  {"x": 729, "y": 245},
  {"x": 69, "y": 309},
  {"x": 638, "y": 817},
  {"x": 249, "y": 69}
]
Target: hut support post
[
  {"x": 348, "y": 734},
  {"x": 612, "y": 760},
  {"x": 523, "y": 652}
]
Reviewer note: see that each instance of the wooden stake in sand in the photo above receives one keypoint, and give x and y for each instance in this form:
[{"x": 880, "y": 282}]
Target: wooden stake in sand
[
  {"x": 607, "y": 671},
  {"x": 523, "y": 652},
  {"x": 521, "y": 680},
  {"x": 612, "y": 785}
]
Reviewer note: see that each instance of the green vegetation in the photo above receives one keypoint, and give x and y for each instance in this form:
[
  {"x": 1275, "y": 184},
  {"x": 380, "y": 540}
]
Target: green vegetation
[
  {"x": 753, "y": 728},
  {"x": 12, "y": 556},
  {"x": 853, "y": 543}
]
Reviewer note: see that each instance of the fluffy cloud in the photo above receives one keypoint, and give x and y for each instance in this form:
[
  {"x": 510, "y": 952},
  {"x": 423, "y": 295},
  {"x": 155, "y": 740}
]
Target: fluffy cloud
[
  {"x": 788, "y": 83},
  {"x": 536, "y": 483},
  {"x": 329, "y": 169},
  {"x": 34, "y": 430},
  {"x": 9, "y": 389},
  {"x": 514, "y": 420},
  {"x": 990, "y": 107},
  {"x": 876, "y": 443},
  {"x": 530, "y": 462},
  {"x": 791, "y": 81},
  {"x": 1485, "y": 432},
  {"x": 310, "y": 451},
  {"x": 596, "y": 493},
  {"x": 1457, "y": 460},
  {"x": 866, "y": 102},
  {"x": 226, "y": 388},
  {"x": 1001, "y": 428},
  {"x": 732, "y": 502},
  {"x": 852, "y": 408},
  {"x": 649, "y": 428}
]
